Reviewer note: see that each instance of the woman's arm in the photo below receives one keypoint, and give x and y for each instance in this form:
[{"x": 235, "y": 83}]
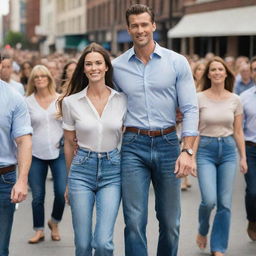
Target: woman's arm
[
  {"x": 69, "y": 137},
  {"x": 69, "y": 146},
  {"x": 239, "y": 138}
]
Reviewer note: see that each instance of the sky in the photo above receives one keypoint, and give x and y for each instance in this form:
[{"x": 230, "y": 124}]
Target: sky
[{"x": 3, "y": 6}]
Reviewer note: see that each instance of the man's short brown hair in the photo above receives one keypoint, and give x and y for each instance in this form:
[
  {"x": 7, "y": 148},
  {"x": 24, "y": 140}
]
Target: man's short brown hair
[{"x": 136, "y": 9}]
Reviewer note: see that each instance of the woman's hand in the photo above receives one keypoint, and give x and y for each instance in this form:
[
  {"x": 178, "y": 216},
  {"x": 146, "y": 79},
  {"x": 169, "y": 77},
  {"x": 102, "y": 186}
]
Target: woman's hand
[
  {"x": 66, "y": 196},
  {"x": 243, "y": 165}
]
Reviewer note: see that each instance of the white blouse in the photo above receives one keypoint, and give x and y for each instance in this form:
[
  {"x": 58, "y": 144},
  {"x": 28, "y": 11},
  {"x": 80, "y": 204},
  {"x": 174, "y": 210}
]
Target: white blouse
[
  {"x": 93, "y": 132},
  {"x": 47, "y": 129}
]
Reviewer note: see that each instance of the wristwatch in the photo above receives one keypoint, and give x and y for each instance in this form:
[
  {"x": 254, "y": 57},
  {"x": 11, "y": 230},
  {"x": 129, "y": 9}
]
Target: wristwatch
[{"x": 188, "y": 151}]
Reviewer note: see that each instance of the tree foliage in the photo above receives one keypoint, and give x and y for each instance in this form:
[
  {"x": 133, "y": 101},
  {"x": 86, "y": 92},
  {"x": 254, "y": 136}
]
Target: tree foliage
[{"x": 13, "y": 38}]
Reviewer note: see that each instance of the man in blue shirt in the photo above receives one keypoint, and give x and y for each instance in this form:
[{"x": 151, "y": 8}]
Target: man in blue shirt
[
  {"x": 15, "y": 133},
  {"x": 248, "y": 99},
  {"x": 244, "y": 81},
  {"x": 156, "y": 81}
]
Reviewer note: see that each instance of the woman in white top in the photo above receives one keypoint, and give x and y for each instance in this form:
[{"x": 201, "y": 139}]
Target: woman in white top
[
  {"x": 220, "y": 128},
  {"x": 93, "y": 113},
  {"x": 46, "y": 150}
]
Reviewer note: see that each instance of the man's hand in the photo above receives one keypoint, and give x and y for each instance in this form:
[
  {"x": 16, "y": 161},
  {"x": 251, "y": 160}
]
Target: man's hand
[
  {"x": 19, "y": 192},
  {"x": 185, "y": 165}
]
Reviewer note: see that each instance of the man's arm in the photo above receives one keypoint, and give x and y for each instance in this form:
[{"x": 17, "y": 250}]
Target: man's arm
[{"x": 24, "y": 146}]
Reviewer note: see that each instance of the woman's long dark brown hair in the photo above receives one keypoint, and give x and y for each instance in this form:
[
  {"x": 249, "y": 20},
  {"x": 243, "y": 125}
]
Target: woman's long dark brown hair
[{"x": 79, "y": 80}]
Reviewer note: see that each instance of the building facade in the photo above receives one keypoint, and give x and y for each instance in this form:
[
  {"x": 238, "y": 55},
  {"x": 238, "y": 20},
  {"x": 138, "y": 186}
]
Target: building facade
[{"x": 224, "y": 27}]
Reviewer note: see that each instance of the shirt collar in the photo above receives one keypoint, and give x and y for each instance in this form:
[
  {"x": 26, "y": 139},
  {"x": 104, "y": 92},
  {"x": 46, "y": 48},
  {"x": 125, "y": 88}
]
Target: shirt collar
[
  {"x": 83, "y": 93},
  {"x": 157, "y": 52}
]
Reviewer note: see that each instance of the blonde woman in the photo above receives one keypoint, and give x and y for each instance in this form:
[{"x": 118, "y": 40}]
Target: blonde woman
[{"x": 47, "y": 134}]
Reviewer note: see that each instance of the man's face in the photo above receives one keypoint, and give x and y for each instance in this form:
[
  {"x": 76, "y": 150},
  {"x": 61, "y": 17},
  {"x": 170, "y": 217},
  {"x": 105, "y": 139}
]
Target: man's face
[
  {"x": 6, "y": 70},
  {"x": 245, "y": 72},
  {"x": 253, "y": 69},
  {"x": 141, "y": 29}
]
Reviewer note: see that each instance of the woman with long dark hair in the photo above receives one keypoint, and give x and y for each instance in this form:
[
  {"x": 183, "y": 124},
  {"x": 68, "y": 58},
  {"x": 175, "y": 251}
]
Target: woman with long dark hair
[{"x": 93, "y": 113}]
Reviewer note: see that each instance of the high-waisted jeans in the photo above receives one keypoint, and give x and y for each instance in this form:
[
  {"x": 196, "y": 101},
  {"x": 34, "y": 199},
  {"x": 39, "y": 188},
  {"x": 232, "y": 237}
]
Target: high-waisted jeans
[
  {"x": 146, "y": 159},
  {"x": 216, "y": 164},
  {"x": 37, "y": 177},
  {"x": 94, "y": 179}
]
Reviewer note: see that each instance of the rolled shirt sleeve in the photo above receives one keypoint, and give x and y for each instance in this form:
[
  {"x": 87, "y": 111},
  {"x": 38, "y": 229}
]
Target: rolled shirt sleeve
[{"x": 21, "y": 124}]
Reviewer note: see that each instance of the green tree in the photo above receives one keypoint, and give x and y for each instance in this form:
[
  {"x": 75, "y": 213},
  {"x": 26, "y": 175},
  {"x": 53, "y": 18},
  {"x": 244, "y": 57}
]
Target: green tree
[{"x": 12, "y": 38}]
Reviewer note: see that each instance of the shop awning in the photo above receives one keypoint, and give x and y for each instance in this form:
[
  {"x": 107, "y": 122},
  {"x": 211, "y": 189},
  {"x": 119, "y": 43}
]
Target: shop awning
[{"x": 229, "y": 22}]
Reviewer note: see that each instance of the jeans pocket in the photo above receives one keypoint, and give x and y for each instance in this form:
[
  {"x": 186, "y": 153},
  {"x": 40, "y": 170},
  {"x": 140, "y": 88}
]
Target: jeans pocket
[
  {"x": 204, "y": 141},
  {"x": 129, "y": 138},
  {"x": 9, "y": 178},
  {"x": 171, "y": 138},
  {"x": 115, "y": 159},
  {"x": 229, "y": 141},
  {"x": 79, "y": 158}
]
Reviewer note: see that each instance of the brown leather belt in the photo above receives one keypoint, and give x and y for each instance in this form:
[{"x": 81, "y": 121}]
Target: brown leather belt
[
  {"x": 250, "y": 143},
  {"x": 7, "y": 169},
  {"x": 149, "y": 132}
]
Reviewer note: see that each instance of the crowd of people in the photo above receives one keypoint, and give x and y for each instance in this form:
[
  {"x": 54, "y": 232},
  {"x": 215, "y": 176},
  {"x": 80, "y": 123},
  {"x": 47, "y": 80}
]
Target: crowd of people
[{"x": 108, "y": 129}]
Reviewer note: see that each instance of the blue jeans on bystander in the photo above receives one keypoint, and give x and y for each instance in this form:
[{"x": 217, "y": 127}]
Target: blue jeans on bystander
[
  {"x": 216, "y": 166},
  {"x": 250, "y": 178},
  {"x": 6, "y": 210},
  {"x": 37, "y": 177}
]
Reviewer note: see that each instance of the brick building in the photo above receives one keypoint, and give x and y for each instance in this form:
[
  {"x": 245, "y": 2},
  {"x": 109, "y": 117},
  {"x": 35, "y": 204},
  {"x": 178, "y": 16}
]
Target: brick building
[
  {"x": 32, "y": 19},
  {"x": 224, "y": 27}
]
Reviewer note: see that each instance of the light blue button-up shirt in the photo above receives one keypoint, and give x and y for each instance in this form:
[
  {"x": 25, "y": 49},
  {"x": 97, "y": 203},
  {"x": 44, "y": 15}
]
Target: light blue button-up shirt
[
  {"x": 248, "y": 99},
  {"x": 155, "y": 90},
  {"x": 14, "y": 122}
]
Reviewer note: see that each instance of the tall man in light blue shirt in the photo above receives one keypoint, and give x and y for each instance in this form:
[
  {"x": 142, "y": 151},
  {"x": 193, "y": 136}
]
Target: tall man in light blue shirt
[
  {"x": 15, "y": 133},
  {"x": 248, "y": 99},
  {"x": 156, "y": 81}
]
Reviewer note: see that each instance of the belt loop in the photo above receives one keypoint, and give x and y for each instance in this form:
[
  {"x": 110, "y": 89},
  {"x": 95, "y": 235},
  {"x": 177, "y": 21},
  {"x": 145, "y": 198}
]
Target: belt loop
[
  {"x": 123, "y": 129},
  {"x": 162, "y": 132},
  {"x": 138, "y": 131},
  {"x": 108, "y": 157}
]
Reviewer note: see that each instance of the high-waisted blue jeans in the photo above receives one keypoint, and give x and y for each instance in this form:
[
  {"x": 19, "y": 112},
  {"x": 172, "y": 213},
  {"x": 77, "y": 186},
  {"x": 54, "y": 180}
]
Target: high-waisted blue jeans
[
  {"x": 6, "y": 210},
  {"x": 216, "y": 165},
  {"x": 250, "y": 178},
  {"x": 37, "y": 177},
  {"x": 94, "y": 179},
  {"x": 146, "y": 159}
]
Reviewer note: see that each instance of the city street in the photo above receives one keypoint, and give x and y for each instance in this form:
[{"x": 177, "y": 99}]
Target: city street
[{"x": 239, "y": 245}]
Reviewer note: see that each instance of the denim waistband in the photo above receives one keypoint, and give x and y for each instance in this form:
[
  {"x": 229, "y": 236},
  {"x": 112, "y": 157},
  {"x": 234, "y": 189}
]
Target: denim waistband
[
  {"x": 217, "y": 138},
  {"x": 91, "y": 153}
]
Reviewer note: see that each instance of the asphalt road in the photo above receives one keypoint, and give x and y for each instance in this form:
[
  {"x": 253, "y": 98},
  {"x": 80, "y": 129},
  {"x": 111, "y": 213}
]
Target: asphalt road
[{"x": 239, "y": 244}]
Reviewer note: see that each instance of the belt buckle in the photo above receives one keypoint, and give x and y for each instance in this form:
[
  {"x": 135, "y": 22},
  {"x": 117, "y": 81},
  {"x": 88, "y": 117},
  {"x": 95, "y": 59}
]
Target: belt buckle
[{"x": 149, "y": 133}]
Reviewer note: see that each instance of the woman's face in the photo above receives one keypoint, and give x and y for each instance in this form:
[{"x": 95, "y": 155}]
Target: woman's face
[
  {"x": 27, "y": 69},
  {"x": 41, "y": 80},
  {"x": 95, "y": 67},
  {"x": 217, "y": 73},
  {"x": 199, "y": 71},
  {"x": 70, "y": 70}
]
